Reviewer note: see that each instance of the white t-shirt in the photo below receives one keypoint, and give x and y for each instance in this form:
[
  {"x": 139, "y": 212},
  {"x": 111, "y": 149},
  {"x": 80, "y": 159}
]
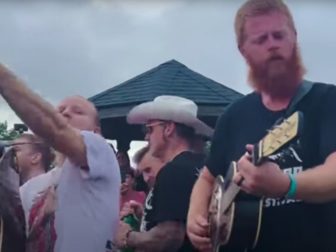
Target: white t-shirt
[
  {"x": 34, "y": 187},
  {"x": 87, "y": 213}
]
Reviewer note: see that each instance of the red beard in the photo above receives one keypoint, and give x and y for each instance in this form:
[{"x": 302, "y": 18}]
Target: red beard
[{"x": 277, "y": 77}]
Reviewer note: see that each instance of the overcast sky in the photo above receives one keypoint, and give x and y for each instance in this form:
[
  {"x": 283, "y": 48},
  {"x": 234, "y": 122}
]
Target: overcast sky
[{"x": 62, "y": 48}]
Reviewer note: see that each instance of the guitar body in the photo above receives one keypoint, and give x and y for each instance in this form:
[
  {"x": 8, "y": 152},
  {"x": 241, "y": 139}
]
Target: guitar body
[
  {"x": 239, "y": 219},
  {"x": 246, "y": 220},
  {"x": 234, "y": 216}
]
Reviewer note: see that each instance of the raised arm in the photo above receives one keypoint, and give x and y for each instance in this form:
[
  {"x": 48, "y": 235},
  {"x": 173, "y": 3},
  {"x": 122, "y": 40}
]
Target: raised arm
[{"x": 41, "y": 117}]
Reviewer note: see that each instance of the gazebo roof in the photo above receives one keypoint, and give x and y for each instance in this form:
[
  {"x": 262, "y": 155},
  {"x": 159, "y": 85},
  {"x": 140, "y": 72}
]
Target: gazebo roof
[{"x": 169, "y": 78}]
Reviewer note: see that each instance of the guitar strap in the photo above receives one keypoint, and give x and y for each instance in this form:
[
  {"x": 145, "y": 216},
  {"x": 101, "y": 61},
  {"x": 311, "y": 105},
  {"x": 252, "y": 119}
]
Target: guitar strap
[{"x": 304, "y": 89}]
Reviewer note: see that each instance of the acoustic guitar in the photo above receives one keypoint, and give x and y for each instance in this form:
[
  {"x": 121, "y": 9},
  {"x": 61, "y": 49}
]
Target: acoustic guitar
[{"x": 235, "y": 217}]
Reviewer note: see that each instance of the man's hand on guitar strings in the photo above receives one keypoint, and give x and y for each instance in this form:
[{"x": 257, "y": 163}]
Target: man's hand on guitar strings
[
  {"x": 266, "y": 179},
  {"x": 198, "y": 232}
]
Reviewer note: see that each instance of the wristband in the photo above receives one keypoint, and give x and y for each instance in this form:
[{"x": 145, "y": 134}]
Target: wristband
[{"x": 292, "y": 187}]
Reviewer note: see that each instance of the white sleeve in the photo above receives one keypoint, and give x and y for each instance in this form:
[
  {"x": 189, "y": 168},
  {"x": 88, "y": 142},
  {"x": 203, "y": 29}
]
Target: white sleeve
[
  {"x": 101, "y": 159},
  {"x": 25, "y": 202}
]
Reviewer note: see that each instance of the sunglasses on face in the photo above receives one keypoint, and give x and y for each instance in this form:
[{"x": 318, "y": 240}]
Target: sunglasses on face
[{"x": 148, "y": 128}]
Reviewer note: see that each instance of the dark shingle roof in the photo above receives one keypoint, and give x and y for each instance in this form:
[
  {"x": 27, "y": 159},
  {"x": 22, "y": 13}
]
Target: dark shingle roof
[{"x": 169, "y": 78}]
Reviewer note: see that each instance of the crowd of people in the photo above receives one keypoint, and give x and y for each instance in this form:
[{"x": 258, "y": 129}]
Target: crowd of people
[{"x": 74, "y": 192}]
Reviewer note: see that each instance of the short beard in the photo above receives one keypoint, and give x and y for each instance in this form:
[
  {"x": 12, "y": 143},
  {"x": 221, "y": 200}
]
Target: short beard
[{"x": 277, "y": 83}]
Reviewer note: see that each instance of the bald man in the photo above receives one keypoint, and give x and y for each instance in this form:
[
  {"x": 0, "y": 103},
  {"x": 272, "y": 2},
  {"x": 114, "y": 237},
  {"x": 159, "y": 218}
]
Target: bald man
[{"x": 87, "y": 190}]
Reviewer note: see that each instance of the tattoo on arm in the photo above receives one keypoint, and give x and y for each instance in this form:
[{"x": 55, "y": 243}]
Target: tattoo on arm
[{"x": 165, "y": 237}]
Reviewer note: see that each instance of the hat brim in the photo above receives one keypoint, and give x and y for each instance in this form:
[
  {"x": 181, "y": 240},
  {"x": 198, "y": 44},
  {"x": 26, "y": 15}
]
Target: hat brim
[{"x": 144, "y": 112}]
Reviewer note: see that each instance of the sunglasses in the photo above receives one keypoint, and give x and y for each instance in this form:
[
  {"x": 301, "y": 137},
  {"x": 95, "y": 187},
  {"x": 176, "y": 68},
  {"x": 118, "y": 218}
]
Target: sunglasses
[{"x": 148, "y": 128}]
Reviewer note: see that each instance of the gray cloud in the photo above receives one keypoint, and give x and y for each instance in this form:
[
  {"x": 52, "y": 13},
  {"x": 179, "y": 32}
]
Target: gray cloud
[{"x": 84, "y": 47}]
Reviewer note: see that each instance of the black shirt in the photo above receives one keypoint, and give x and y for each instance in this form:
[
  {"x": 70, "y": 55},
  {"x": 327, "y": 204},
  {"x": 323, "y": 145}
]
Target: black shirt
[
  {"x": 169, "y": 198},
  {"x": 287, "y": 225}
]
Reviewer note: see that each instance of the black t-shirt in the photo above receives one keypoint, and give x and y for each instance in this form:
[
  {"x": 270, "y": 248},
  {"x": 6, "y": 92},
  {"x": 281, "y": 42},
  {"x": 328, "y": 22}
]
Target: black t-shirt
[
  {"x": 287, "y": 225},
  {"x": 140, "y": 184},
  {"x": 169, "y": 198}
]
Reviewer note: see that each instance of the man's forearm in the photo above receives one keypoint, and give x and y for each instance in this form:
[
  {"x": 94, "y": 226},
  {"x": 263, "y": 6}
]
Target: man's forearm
[
  {"x": 318, "y": 185},
  {"x": 166, "y": 237},
  {"x": 201, "y": 194},
  {"x": 38, "y": 114}
]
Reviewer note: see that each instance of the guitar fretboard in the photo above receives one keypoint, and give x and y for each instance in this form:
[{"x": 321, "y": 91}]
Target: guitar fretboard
[{"x": 229, "y": 196}]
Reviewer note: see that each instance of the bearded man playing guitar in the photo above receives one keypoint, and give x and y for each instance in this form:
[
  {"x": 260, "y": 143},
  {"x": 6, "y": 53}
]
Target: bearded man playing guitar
[{"x": 299, "y": 209}]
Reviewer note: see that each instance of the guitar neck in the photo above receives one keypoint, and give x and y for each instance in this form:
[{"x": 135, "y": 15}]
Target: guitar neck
[
  {"x": 257, "y": 156},
  {"x": 230, "y": 195}
]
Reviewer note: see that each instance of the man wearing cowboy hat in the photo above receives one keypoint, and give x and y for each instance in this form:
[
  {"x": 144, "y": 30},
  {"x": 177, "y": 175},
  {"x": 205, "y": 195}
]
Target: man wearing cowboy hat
[{"x": 171, "y": 124}]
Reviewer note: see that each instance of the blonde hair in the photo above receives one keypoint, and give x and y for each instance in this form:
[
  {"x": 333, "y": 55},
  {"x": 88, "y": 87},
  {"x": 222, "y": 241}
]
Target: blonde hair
[
  {"x": 140, "y": 154},
  {"x": 253, "y": 8}
]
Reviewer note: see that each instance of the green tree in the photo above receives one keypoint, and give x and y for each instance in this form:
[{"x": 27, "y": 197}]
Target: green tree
[{"x": 7, "y": 134}]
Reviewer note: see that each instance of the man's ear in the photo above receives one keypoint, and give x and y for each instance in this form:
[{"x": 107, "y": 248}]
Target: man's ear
[
  {"x": 241, "y": 50},
  {"x": 169, "y": 128},
  {"x": 36, "y": 158},
  {"x": 97, "y": 130}
]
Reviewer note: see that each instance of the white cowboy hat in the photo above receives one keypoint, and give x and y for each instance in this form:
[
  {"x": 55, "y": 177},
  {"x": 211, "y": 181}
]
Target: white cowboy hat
[{"x": 169, "y": 108}]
